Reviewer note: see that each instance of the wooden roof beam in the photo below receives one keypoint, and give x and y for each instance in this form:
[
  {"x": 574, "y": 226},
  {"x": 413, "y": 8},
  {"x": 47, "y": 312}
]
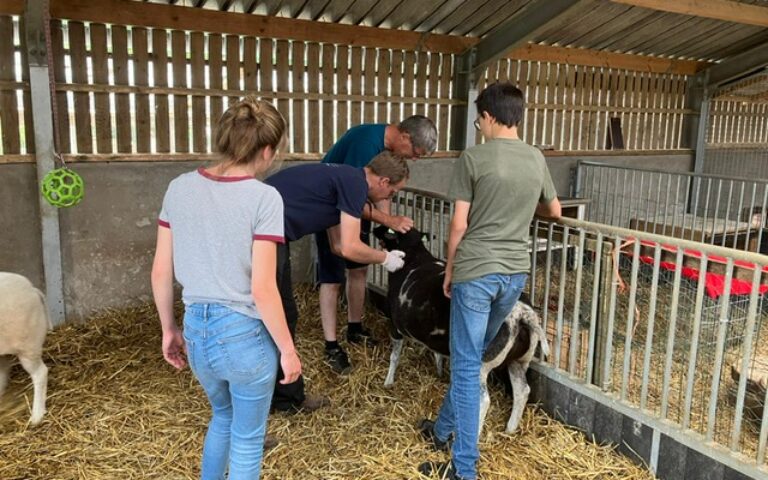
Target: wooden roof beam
[
  {"x": 11, "y": 7},
  {"x": 518, "y": 30},
  {"x": 597, "y": 58},
  {"x": 126, "y": 12},
  {"x": 725, "y": 10}
]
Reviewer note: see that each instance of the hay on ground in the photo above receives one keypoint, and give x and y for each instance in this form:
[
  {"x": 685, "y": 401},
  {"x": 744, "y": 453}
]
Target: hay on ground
[{"x": 117, "y": 410}]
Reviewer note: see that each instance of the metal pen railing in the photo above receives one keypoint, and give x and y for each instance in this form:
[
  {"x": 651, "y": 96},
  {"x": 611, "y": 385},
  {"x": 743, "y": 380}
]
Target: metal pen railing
[
  {"x": 670, "y": 327},
  {"x": 718, "y": 210}
]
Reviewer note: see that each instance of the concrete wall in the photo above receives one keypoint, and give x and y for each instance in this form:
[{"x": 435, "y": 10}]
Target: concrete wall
[
  {"x": 435, "y": 174},
  {"x": 108, "y": 239},
  {"x": 20, "y": 238}
]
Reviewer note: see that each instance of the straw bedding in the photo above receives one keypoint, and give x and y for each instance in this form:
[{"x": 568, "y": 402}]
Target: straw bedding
[{"x": 116, "y": 410}]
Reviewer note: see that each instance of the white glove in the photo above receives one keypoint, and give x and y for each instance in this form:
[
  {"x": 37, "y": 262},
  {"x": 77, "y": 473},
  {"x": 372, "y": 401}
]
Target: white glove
[{"x": 394, "y": 260}]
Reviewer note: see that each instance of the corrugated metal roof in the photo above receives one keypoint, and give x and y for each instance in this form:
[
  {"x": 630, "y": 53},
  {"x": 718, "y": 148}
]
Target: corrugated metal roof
[
  {"x": 751, "y": 89},
  {"x": 598, "y": 25}
]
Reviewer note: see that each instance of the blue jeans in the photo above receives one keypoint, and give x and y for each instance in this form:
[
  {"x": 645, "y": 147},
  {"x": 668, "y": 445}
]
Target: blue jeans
[
  {"x": 478, "y": 309},
  {"x": 235, "y": 360}
]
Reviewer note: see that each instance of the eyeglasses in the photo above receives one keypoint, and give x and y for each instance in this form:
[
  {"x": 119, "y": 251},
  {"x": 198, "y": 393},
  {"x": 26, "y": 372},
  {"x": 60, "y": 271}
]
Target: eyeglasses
[{"x": 476, "y": 123}]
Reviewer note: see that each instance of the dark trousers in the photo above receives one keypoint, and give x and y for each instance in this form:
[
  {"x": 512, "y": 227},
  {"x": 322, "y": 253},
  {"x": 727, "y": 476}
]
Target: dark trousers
[{"x": 289, "y": 396}]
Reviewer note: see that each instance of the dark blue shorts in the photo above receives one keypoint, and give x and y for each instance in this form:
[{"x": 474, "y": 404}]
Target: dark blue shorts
[{"x": 330, "y": 267}]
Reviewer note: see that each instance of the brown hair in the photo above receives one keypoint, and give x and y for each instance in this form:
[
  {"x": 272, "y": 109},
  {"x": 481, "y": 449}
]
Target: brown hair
[
  {"x": 245, "y": 128},
  {"x": 388, "y": 165}
]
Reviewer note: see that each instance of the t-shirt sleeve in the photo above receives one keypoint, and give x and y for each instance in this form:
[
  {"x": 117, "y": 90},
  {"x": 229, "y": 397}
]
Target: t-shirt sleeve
[
  {"x": 352, "y": 193},
  {"x": 268, "y": 221},
  {"x": 548, "y": 192},
  {"x": 460, "y": 187},
  {"x": 360, "y": 154},
  {"x": 164, "y": 219}
]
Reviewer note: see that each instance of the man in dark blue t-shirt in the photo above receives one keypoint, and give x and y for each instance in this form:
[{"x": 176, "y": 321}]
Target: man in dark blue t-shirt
[
  {"x": 318, "y": 198},
  {"x": 414, "y": 137}
]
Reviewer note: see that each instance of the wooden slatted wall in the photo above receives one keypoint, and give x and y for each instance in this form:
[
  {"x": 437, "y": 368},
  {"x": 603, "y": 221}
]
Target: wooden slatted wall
[
  {"x": 154, "y": 91},
  {"x": 735, "y": 123},
  {"x": 569, "y": 106},
  {"x": 153, "y": 94},
  {"x": 15, "y": 102}
]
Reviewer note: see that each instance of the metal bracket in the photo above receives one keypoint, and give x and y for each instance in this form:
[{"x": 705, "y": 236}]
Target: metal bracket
[{"x": 36, "y": 21}]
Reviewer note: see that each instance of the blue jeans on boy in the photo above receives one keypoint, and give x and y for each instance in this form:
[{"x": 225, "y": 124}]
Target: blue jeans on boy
[
  {"x": 235, "y": 360},
  {"x": 478, "y": 309}
]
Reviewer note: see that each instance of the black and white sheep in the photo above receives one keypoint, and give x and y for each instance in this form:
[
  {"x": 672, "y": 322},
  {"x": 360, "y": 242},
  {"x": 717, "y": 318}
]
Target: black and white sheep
[
  {"x": 24, "y": 323},
  {"x": 419, "y": 310}
]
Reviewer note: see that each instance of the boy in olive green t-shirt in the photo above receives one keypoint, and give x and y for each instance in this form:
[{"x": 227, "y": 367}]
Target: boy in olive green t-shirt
[{"x": 498, "y": 187}]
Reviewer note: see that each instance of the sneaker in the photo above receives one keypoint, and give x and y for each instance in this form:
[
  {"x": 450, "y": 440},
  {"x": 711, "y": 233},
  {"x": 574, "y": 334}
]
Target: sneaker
[
  {"x": 362, "y": 337},
  {"x": 443, "y": 470},
  {"x": 337, "y": 359},
  {"x": 426, "y": 429},
  {"x": 270, "y": 442},
  {"x": 312, "y": 403}
]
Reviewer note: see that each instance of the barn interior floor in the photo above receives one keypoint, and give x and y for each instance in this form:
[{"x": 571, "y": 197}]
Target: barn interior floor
[{"x": 117, "y": 410}]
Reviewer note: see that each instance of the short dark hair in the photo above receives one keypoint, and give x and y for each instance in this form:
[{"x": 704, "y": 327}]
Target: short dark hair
[{"x": 504, "y": 102}]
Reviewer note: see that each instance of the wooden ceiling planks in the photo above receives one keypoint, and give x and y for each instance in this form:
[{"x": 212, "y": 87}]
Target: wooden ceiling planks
[
  {"x": 490, "y": 9},
  {"x": 495, "y": 22},
  {"x": 623, "y": 20},
  {"x": 492, "y": 14},
  {"x": 380, "y": 12},
  {"x": 337, "y": 11},
  {"x": 630, "y": 21},
  {"x": 457, "y": 16},
  {"x": 358, "y": 11},
  {"x": 430, "y": 23},
  {"x": 646, "y": 30},
  {"x": 725, "y": 51},
  {"x": 725, "y": 10},
  {"x": 298, "y": 8},
  {"x": 409, "y": 14},
  {"x": 655, "y": 43},
  {"x": 577, "y": 25},
  {"x": 555, "y": 32},
  {"x": 716, "y": 37}
]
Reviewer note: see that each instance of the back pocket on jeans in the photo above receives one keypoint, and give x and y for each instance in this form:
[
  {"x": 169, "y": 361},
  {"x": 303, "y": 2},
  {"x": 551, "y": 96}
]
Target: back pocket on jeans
[{"x": 244, "y": 352}]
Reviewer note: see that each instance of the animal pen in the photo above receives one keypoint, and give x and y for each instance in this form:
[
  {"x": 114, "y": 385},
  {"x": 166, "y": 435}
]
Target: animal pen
[{"x": 653, "y": 113}]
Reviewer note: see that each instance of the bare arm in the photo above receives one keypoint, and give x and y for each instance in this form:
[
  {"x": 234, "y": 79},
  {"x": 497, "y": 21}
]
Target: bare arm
[
  {"x": 456, "y": 233},
  {"x": 266, "y": 297},
  {"x": 551, "y": 210},
  {"x": 162, "y": 291},
  {"x": 345, "y": 242}
]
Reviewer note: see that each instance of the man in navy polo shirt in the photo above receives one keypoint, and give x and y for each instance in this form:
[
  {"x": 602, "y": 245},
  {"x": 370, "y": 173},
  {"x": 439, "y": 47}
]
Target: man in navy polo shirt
[
  {"x": 330, "y": 198},
  {"x": 414, "y": 137}
]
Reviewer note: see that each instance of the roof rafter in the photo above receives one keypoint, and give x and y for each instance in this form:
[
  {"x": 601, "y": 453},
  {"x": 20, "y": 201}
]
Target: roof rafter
[
  {"x": 726, "y": 10},
  {"x": 519, "y": 29},
  {"x": 738, "y": 66},
  {"x": 249, "y": 6}
]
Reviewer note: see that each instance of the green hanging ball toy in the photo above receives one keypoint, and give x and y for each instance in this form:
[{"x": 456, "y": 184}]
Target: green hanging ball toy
[{"x": 62, "y": 187}]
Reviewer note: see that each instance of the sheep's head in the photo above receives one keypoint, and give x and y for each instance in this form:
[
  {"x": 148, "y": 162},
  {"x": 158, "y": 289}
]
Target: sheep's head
[{"x": 392, "y": 240}]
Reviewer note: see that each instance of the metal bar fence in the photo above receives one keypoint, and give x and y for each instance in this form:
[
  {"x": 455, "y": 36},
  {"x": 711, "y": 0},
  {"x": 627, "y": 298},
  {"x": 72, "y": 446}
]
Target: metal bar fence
[
  {"x": 712, "y": 209},
  {"x": 666, "y": 326}
]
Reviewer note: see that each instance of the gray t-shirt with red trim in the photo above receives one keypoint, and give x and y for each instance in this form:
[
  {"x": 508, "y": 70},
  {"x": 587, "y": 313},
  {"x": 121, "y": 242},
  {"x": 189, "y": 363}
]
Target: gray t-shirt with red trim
[{"x": 214, "y": 221}]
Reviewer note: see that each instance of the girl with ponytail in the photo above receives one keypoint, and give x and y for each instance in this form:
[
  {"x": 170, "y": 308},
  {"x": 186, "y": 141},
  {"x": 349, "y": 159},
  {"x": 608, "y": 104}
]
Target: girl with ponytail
[{"x": 217, "y": 234}]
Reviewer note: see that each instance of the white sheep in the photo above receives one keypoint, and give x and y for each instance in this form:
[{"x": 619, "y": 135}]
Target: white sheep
[{"x": 24, "y": 322}]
